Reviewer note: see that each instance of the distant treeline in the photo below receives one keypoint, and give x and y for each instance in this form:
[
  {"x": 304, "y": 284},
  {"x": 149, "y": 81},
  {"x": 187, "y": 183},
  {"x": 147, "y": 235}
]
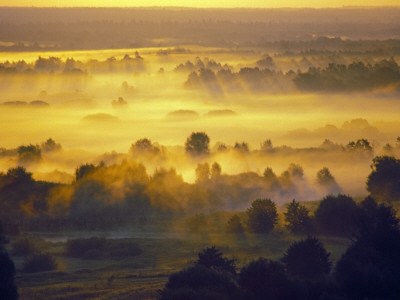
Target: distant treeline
[
  {"x": 55, "y": 65},
  {"x": 357, "y": 76},
  {"x": 23, "y": 29}
]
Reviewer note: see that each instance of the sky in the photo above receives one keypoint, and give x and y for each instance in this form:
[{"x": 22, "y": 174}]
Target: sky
[{"x": 201, "y": 3}]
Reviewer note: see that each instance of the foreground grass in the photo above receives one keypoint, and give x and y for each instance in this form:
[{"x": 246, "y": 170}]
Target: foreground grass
[{"x": 140, "y": 277}]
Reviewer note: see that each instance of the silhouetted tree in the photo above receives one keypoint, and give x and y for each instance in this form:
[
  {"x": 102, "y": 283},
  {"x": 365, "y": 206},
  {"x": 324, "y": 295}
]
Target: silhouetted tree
[
  {"x": 234, "y": 225},
  {"x": 335, "y": 215},
  {"x": 28, "y": 154},
  {"x": 144, "y": 145},
  {"x": 202, "y": 172},
  {"x": 265, "y": 279},
  {"x": 199, "y": 283},
  {"x": 215, "y": 170},
  {"x": 212, "y": 258},
  {"x": 267, "y": 146},
  {"x": 19, "y": 174},
  {"x": 361, "y": 145},
  {"x": 270, "y": 174},
  {"x": 8, "y": 289},
  {"x": 50, "y": 146},
  {"x": 262, "y": 216},
  {"x": 369, "y": 269},
  {"x": 383, "y": 181},
  {"x": 326, "y": 180},
  {"x": 307, "y": 259},
  {"x": 84, "y": 170},
  {"x": 241, "y": 147},
  {"x": 197, "y": 143},
  {"x": 297, "y": 218},
  {"x": 374, "y": 217}
]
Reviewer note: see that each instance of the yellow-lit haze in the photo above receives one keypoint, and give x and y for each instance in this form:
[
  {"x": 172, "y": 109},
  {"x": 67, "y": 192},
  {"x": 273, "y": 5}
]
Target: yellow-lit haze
[{"x": 203, "y": 3}]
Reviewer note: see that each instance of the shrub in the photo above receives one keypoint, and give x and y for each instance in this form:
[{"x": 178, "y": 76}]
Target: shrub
[
  {"x": 22, "y": 247},
  {"x": 39, "y": 263}
]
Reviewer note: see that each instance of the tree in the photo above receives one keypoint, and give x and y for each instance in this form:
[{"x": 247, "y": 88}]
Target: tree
[
  {"x": 84, "y": 170},
  {"x": 265, "y": 279},
  {"x": 19, "y": 174},
  {"x": 8, "y": 290},
  {"x": 202, "y": 173},
  {"x": 28, "y": 154},
  {"x": 307, "y": 259},
  {"x": 262, "y": 216},
  {"x": 215, "y": 170},
  {"x": 374, "y": 217},
  {"x": 361, "y": 145},
  {"x": 241, "y": 147},
  {"x": 50, "y": 146},
  {"x": 144, "y": 145},
  {"x": 197, "y": 143},
  {"x": 383, "y": 181},
  {"x": 267, "y": 146},
  {"x": 335, "y": 215},
  {"x": 297, "y": 218},
  {"x": 212, "y": 258},
  {"x": 234, "y": 225},
  {"x": 369, "y": 269},
  {"x": 198, "y": 283},
  {"x": 326, "y": 180}
]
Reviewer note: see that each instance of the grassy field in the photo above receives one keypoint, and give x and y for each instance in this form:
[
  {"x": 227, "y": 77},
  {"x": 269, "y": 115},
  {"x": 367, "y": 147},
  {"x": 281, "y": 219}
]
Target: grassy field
[{"x": 140, "y": 277}]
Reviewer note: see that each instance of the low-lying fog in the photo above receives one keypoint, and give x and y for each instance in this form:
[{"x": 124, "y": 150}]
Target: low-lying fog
[{"x": 103, "y": 101}]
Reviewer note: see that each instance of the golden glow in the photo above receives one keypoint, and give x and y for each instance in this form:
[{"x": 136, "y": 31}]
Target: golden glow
[{"x": 203, "y": 3}]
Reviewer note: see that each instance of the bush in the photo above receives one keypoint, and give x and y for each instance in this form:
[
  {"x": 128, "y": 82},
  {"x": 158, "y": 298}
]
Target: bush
[
  {"x": 39, "y": 263},
  {"x": 101, "y": 248},
  {"x": 234, "y": 225},
  {"x": 22, "y": 247}
]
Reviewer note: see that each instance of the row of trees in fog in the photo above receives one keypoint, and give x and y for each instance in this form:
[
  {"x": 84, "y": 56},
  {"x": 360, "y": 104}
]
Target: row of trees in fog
[
  {"x": 356, "y": 76},
  {"x": 56, "y": 65}
]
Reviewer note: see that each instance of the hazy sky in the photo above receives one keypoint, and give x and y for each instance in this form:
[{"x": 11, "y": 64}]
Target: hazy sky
[{"x": 203, "y": 3}]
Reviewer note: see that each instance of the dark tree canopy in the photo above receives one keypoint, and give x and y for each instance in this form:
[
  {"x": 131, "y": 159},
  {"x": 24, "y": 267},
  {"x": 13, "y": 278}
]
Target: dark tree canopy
[
  {"x": 384, "y": 181},
  {"x": 335, "y": 215},
  {"x": 234, "y": 225},
  {"x": 297, "y": 218},
  {"x": 50, "y": 146},
  {"x": 199, "y": 282},
  {"x": 29, "y": 154},
  {"x": 84, "y": 170},
  {"x": 197, "y": 143},
  {"x": 265, "y": 279},
  {"x": 262, "y": 216},
  {"x": 307, "y": 259},
  {"x": 212, "y": 258},
  {"x": 369, "y": 269},
  {"x": 8, "y": 289}
]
